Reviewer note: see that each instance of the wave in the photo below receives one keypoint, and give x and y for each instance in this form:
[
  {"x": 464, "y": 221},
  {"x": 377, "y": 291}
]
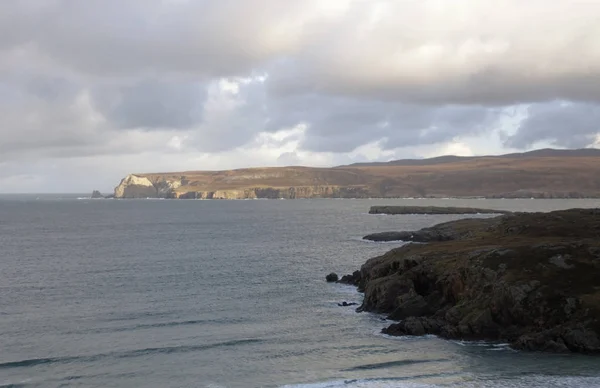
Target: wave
[
  {"x": 540, "y": 381},
  {"x": 396, "y": 242},
  {"x": 495, "y": 346},
  {"x": 389, "y": 364},
  {"x": 124, "y": 354},
  {"x": 364, "y": 383},
  {"x": 537, "y": 381},
  {"x": 148, "y": 326}
]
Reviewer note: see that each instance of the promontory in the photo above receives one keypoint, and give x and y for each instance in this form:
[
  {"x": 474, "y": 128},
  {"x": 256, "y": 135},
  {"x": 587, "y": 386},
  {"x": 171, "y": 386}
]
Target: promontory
[
  {"x": 546, "y": 173},
  {"x": 529, "y": 279}
]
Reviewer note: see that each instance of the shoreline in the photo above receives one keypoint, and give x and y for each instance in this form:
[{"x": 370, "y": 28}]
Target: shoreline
[
  {"x": 476, "y": 198},
  {"x": 527, "y": 279}
]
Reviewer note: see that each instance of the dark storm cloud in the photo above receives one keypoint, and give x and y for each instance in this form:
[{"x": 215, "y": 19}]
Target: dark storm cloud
[
  {"x": 563, "y": 124},
  {"x": 338, "y": 124}
]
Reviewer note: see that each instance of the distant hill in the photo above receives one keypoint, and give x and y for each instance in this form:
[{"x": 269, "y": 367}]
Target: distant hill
[
  {"x": 545, "y": 173},
  {"x": 546, "y": 152}
]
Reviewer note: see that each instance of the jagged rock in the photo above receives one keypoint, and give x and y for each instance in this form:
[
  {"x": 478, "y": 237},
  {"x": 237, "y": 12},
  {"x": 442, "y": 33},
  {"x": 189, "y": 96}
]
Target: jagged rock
[
  {"x": 530, "y": 279},
  {"x": 353, "y": 279},
  {"x": 332, "y": 277},
  {"x": 96, "y": 195}
]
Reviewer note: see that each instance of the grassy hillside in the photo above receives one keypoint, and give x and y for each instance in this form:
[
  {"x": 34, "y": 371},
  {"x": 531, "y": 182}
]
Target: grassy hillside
[{"x": 543, "y": 173}]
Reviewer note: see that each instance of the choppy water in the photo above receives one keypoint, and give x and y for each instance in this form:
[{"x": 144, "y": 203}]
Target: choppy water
[{"x": 149, "y": 293}]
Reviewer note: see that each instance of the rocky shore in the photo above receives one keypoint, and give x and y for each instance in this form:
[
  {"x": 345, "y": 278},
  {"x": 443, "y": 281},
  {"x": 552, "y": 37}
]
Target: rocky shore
[
  {"x": 432, "y": 210},
  {"x": 530, "y": 279},
  {"x": 446, "y": 231}
]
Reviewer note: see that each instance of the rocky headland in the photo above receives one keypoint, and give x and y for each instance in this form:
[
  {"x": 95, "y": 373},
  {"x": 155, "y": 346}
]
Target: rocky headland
[
  {"x": 538, "y": 174},
  {"x": 529, "y": 279}
]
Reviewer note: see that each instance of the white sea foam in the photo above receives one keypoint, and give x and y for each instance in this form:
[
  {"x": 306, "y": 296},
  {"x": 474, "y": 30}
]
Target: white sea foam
[
  {"x": 366, "y": 383},
  {"x": 397, "y": 242},
  {"x": 540, "y": 381}
]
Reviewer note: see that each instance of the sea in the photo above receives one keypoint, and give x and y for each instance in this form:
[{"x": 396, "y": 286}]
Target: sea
[{"x": 191, "y": 293}]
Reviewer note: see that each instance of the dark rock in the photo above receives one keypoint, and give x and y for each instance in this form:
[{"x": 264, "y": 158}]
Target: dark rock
[
  {"x": 432, "y": 210},
  {"x": 353, "y": 279},
  {"x": 530, "y": 279},
  {"x": 410, "y": 305},
  {"x": 447, "y": 231},
  {"x": 332, "y": 277},
  {"x": 345, "y": 304},
  {"x": 97, "y": 195},
  {"x": 393, "y": 236}
]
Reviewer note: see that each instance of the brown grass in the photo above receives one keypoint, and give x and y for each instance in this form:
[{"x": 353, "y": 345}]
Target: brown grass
[{"x": 474, "y": 177}]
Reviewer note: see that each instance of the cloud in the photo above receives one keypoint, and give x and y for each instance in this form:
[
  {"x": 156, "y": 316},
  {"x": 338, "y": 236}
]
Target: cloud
[
  {"x": 341, "y": 124},
  {"x": 562, "y": 124},
  {"x": 467, "y": 51},
  {"x": 231, "y": 83},
  {"x": 464, "y": 51},
  {"x": 153, "y": 103}
]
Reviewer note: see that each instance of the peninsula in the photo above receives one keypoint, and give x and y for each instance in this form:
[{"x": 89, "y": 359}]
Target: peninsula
[
  {"x": 529, "y": 279},
  {"x": 544, "y": 173}
]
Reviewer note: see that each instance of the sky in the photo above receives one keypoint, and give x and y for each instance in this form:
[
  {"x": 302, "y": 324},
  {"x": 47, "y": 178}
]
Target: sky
[{"x": 93, "y": 90}]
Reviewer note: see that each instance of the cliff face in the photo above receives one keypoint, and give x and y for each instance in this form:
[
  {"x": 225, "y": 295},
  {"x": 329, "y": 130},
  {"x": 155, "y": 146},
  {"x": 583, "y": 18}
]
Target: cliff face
[
  {"x": 530, "y": 279},
  {"x": 565, "y": 176},
  {"x": 137, "y": 186},
  {"x": 277, "y": 193}
]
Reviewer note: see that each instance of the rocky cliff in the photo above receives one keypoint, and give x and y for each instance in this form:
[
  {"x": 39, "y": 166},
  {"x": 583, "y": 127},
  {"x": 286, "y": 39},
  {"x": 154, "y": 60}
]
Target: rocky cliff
[
  {"x": 568, "y": 174},
  {"x": 140, "y": 186},
  {"x": 530, "y": 279}
]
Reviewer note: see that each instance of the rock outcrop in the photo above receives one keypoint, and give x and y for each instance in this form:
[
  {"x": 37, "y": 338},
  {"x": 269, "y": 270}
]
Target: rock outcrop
[
  {"x": 97, "y": 195},
  {"x": 446, "y": 231},
  {"x": 332, "y": 277},
  {"x": 134, "y": 186},
  {"x": 530, "y": 279},
  {"x": 139, "y": 186},
  {"x": 432, "y": 210}
]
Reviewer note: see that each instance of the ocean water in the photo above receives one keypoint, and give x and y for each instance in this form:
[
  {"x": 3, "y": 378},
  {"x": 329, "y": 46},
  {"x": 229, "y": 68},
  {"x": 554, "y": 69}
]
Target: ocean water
[{"x": 166, "y": 293}]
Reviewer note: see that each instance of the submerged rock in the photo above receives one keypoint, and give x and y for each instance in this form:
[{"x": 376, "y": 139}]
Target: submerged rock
[{"x": 530, "y": 279}]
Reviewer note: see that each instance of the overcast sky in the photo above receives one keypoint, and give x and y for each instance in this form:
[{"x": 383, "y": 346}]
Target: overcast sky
[{"x": 93, "y": 90}]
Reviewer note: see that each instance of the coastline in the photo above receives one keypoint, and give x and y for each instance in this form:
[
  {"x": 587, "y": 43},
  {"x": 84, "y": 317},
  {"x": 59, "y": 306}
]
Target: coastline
[{"x": 528, "y": 279}]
